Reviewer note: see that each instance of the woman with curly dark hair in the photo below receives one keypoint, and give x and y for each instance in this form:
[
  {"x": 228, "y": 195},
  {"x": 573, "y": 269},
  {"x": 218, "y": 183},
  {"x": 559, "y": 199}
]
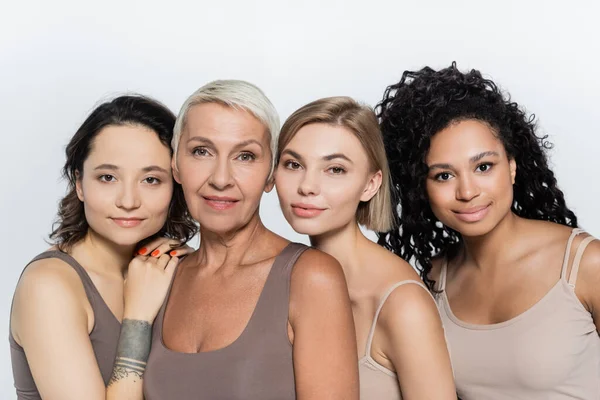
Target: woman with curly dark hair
[
  {"x": 86, "y": 297},
  {"x": 481, "y": 215}
]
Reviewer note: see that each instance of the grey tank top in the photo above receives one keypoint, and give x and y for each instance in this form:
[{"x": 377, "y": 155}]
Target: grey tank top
[
  {"x": 257, "y": 365},
  {"x": 549, "y": 352},
  {"x": 104, "y": 335}
]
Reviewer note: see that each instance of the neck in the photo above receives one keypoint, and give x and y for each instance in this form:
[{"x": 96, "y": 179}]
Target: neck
[
  {"x": 345, "y": 244},
  {"x": 485, "y": 251},
  {"x": 99, "y": 254},
  {"x": 231, "y": 248}
]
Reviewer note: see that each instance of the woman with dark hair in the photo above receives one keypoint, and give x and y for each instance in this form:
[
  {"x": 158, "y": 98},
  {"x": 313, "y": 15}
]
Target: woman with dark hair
[
  {"x": 480, "y": 213},
  {"x": 80, "y": 300}
]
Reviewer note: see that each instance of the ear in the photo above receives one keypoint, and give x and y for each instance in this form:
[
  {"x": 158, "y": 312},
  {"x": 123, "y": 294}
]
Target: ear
[
  {"x": 270, "y": 182},
  {"x": 372, "y": 186},
  {"x": 174, "y": 169},
  {"x": 512, "y": 164},
  {"x": 78, "y": 187}
]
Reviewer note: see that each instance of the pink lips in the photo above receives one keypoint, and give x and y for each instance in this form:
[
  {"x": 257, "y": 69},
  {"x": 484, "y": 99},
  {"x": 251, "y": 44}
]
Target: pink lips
[
  {"x": 306, "y": 210},
  {"x": 127, "y": 222},
  {"x": 473, "y": 214},
  {"x": 220, "y": 203}
]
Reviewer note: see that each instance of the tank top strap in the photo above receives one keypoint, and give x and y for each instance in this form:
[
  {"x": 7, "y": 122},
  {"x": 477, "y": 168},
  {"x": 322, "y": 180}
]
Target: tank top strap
[
  {"x": 580, "y": 249},
  {"x": 273, "y": 302},
  {"x": 380, "y": 307},
  {"x": 441, "y": 286},
  {"x": 574, "y": 232}
]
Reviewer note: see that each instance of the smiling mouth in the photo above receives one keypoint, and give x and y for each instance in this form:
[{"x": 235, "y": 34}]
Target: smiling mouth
[
  {"x": 306, "y": 211},
  {"x": 474, "y": 214},
  {"x": 220, "y": 203},
  {"x": 127, "y": 222}
]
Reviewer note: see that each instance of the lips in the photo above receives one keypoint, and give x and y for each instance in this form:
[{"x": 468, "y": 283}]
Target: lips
[
  {"x": 472, "y": 214},
  {"x": 220, "y": 203},
  {"x": 306, "y": 210},
  {"x": 127, "y": 222}
]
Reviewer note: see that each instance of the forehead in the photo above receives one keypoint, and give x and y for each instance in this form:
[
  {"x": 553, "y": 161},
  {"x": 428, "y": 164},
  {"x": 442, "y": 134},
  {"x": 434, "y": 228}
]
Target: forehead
[
  {"x": 128, "y": 146},
  {"x": 318, "y": 140},
  {"x": 222, "y": 124},
  {"x": 462, "y": 140}
]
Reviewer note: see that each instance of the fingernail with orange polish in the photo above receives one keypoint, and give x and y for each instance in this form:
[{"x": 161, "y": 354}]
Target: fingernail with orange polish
[
  {"x": 155, "y": 253},
  {"x": 173, "y": 253},
  {"x": 143, "y": 250}
]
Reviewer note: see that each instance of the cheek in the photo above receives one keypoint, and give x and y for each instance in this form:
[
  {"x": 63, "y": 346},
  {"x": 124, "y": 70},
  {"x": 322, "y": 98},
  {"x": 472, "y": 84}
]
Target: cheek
[
  {"x": 286, "y": 184},
  {"x": 440, "y": 195},
  {"x": 158, "y": 200}
]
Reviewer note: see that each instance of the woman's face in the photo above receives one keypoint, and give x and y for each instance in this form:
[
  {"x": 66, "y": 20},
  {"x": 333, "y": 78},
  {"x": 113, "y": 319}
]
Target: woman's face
[
  {"x": 223, "y": 163},
  {"x": 322, "y": 175},
  {"x": 126, "y": 184},
  {"x": 470, "y": 178}
]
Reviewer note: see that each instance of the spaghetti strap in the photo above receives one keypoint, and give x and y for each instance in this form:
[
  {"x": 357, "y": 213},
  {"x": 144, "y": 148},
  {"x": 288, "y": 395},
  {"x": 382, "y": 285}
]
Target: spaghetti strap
[
  {"x": 442, "y": 283},
  {"x": 577, "y": 260},
  {"x": 380, "y": 306},
  {"x": 574, "y": 232}
]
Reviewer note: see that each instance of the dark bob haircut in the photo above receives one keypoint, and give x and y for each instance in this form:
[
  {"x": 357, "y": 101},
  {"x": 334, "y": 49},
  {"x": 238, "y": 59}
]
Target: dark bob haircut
[
  {"x": 422, "y": 104},
  {"x": 71, "y": 225}
]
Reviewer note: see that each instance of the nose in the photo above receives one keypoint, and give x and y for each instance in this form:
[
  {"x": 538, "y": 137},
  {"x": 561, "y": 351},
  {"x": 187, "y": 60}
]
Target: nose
[
  {"x": 467, "y": 188},
  {"x": 221, "y": 177},
  {"x": 128, "y": 198},
  {"x": 309, "y": 185}
]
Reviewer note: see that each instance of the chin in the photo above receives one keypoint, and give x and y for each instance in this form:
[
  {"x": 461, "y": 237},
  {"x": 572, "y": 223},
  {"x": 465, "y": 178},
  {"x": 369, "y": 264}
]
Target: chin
[{"x": 307, "y": 227}]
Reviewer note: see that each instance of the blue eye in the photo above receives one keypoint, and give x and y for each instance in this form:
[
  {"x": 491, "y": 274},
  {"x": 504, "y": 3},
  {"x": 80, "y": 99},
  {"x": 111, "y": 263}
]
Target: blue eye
[{"x": 200, "y": 151}]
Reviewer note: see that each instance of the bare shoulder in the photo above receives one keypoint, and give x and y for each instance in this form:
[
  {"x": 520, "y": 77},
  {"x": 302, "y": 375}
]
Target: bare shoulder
[
  {"x": 588, "y": 277},
  {"x": 395, "y": 266},
  {"x": 48, "y": 286},
  {"x": 317, "y": 269},
  {"x": 409, "y": 306}
]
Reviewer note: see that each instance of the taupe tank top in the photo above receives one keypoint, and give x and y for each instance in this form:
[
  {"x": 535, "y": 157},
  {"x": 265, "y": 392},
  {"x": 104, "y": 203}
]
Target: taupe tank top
[
  {"x": 257, "y": 365},
  {"x": 376, "y": 381},
  {"x": 104, "y": 335},
  {"x": 549, "y": 352}
]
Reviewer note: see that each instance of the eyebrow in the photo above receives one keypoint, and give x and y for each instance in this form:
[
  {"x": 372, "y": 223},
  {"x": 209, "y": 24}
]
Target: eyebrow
[
  {"x": 209, "y": 142},
  {"x": 326, "y": 158},
  {"x": 472, "y": 160},
  {"x": 150, "y": 168}
]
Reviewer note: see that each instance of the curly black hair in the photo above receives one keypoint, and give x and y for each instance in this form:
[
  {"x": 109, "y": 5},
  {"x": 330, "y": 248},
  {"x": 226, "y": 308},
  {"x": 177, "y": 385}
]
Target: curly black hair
[{"x": 425, "y": 102}]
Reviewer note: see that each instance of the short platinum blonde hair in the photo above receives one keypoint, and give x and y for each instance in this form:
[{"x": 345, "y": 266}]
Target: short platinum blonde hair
[
  {"x": 377, "y": 213},
  {"x": 236, "y": 94}
]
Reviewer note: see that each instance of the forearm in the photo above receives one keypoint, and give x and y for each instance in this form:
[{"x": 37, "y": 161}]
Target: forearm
[{"x": 130, "y": 362}]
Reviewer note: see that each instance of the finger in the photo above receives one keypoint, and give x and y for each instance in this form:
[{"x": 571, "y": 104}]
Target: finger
[
  {"x": 165, "y": 248},
  {"x": 181, "y": 251},
  {"x": 154, "y": 244},
  {"x": 171, "y": 265},
  {"x": 162, "y": 261}
]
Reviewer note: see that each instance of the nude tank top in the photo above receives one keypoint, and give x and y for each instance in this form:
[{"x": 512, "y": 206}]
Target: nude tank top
[
  {"x": 376, "y": 381},
  {"x": 257, "y": 365},
  {"x": 549, "y": 352},
  {"x": 104, "y": 335}
]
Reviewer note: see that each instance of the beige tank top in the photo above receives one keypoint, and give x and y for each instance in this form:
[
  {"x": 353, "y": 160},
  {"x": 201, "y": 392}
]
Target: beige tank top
[
  {"x": 376, "y": 381},
  {"x": 549, "y": 352}
]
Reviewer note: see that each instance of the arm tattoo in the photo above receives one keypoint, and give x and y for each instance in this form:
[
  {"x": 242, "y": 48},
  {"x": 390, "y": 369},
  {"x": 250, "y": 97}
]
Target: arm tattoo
[{"x": 133, "y": 350}]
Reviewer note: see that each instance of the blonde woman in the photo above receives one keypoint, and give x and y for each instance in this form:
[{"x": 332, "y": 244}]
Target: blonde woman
[{"x": 332, "y": 176}]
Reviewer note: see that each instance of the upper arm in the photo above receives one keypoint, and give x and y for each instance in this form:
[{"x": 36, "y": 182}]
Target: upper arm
[
  {"x": 325, "y": 356},
  {"x": 413, "y": 339},
  {"x": 52, "y": 328},
  {"x": 588, "y": 281}
]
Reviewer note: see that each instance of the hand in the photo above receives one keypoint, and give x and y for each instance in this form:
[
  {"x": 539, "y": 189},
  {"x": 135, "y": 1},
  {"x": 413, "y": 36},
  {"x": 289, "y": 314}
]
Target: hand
[
  {"x": 162, "y": 245},
  {"x": 148, "y": 279}
]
